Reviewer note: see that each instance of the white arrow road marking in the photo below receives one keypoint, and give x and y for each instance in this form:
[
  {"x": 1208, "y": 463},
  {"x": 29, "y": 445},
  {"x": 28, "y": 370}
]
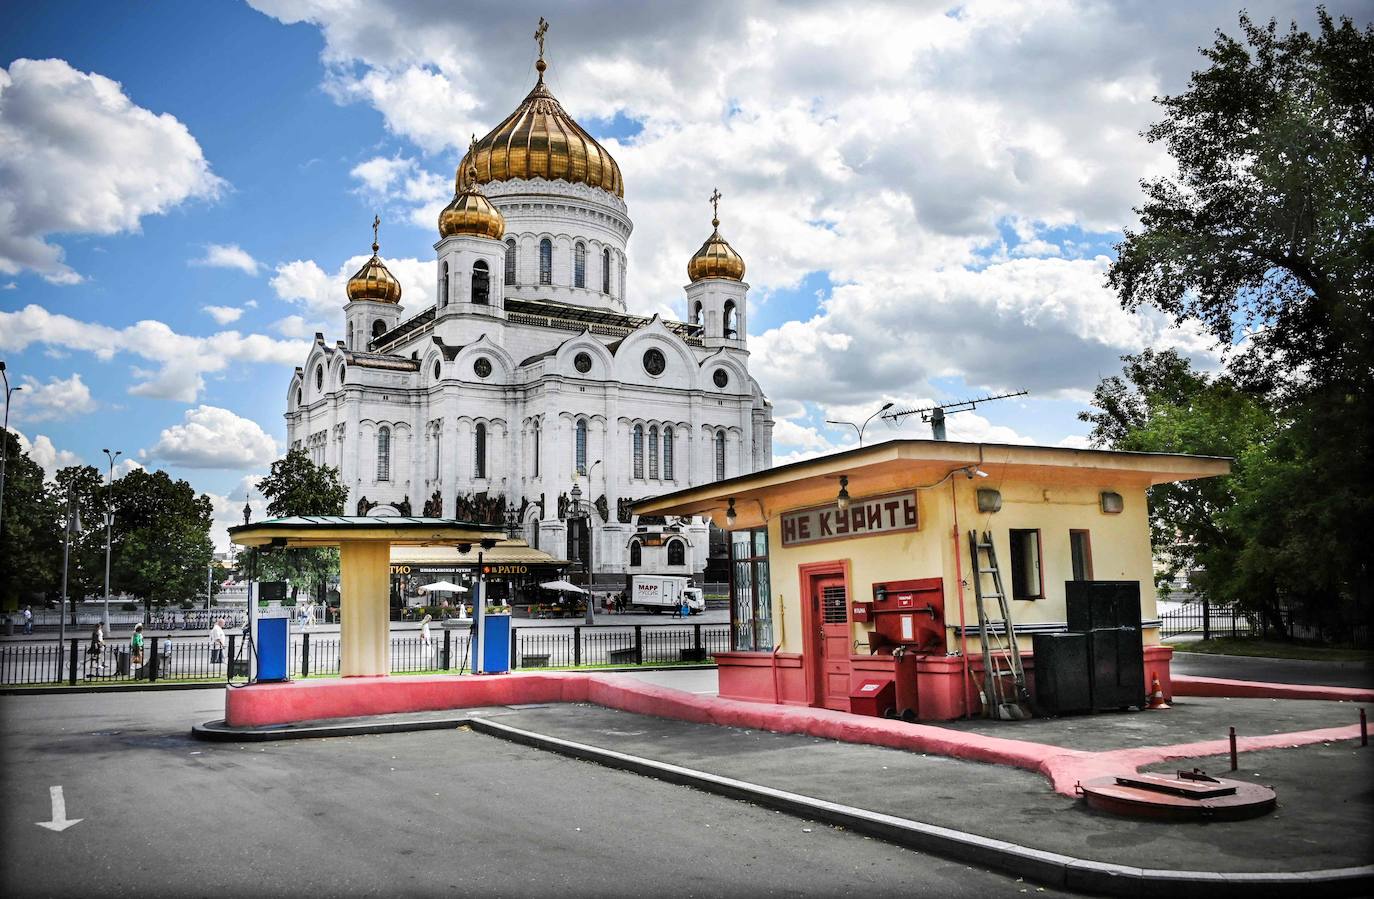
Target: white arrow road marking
[{"x": 59, "y": 820}]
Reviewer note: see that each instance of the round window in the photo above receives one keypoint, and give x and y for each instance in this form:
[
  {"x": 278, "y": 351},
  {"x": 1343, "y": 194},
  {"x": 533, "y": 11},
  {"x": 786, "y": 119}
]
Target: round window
[
  {"x": 721, "y": 377},
  {"x": 436, "y": 371},
  {"x": 482, "y": 367},
  {"x": 319, "y": 376},
  {"x": 582, "y": 362},
  {"x": 654, "y": 363}
]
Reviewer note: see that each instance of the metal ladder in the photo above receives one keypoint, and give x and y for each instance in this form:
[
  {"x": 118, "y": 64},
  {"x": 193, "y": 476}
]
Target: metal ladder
[{"x": 1001, "y": 656}]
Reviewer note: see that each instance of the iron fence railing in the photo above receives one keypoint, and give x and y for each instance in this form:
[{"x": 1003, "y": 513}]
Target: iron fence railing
[
  {"x": 175, "y": 658},
  {"x": 1208, "y": 620}
]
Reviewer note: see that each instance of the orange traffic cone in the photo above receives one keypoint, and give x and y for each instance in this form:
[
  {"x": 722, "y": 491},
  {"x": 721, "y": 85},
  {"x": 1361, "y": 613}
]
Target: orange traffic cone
[{"x": 1156, "y": 696}]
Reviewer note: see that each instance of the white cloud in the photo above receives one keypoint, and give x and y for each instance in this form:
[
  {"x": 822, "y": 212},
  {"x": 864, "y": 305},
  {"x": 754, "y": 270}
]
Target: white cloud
[
  {"x": 399, "y": 183},
  {"x": 78, "y": 156},
  {"x": 322, "y": 295},
  {"x": 59, "y": 398},
  {"x": 296, "y": 326},
  {"x": 226, "y": 510},
  {"x": 212, "y": 437},
  {"x": 126, "y": 465},
  {"x": 183, "y": 360},
  {"x": 228, "y": 256},
  {"x": 224, "y": 315},
  {"x": 45, "y": 455},
  {"x": 10, "y": 285}
]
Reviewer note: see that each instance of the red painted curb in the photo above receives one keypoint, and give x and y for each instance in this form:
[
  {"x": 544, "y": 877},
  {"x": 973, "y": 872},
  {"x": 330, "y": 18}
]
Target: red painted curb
[{"x": 1246, "y": 689}]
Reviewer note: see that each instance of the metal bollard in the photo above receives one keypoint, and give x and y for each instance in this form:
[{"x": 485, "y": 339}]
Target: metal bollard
[
  {"x": 448, "y": 643},
  {"x": 152, "y": 660},
  {"x": 305, "y": 654},
  {"x": 1364, "y": 730},
  {"x": 577, "y": 645},
  {"x": 1234, "y": 764}
]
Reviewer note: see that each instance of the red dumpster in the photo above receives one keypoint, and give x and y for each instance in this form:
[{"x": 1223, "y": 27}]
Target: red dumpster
[{"x": 872, "y": 697}]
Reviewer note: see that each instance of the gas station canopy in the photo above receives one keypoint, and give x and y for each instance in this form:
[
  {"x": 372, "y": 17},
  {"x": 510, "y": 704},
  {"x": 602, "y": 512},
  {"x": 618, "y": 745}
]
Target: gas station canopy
[{"x": 333, "y": 530}]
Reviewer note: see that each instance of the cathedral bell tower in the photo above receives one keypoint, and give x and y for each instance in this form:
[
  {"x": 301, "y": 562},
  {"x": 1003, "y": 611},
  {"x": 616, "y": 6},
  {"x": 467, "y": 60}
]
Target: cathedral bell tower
[
  {"x": 716, "y": 294},
  {"x": 471, "y": 255},
  {"x": 374, "y": 300}
]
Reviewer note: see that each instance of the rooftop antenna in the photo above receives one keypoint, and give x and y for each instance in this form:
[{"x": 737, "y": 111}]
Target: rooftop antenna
[{"x": 936, "y": 414}]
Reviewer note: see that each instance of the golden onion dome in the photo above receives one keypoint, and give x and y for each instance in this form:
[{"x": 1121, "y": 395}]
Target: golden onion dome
[
  {"x": 716, "y": 258},
  {"x": 373, "y": 281},
  {"x": 540, "y": 140},
  {"x": 471, "y": 213}
]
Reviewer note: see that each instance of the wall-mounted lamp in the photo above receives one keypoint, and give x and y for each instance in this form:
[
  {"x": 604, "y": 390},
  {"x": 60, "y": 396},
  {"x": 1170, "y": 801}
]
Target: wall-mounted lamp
[
  {"x": 842, "y": 501},
  {"x": 972, "y": 471},
  {"x": 989, "y": 500},
  {"x": 730, "y": 513},
  {"x": 1112, "y": 503}
]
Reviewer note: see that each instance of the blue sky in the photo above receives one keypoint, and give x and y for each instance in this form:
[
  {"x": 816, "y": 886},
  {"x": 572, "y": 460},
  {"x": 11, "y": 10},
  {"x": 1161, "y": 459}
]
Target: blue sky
[{"x": 926, "y": 201}]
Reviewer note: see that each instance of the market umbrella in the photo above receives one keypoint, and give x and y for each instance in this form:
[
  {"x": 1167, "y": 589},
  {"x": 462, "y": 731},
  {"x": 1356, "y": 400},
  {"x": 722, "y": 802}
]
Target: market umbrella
[
  {"x": 443, "y": 587},
  {"x": 563, "y": 586}
]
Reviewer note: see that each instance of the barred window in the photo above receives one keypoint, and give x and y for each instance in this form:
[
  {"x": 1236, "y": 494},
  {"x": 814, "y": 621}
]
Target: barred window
[
  {"x": 637, "y": 451},
  {"x": 580, "y": 448},
  {"x": 751, "y": 608},
  {"x": 479, "y": 454},
  {"x": 668, "y": 453},
  {"x": 720, "y": 455},
  {"x": 677, "y": 552},
  {"x": 546, "y": 261},
  {"x": 636, "y": 554},
  {"x": 384, "y": 454},
  {"x": 580, "y": 265},
  {"x": 653, "y": 452},
  {"x": 510, "y": 261},
  {"x": 481, "y": 283}
]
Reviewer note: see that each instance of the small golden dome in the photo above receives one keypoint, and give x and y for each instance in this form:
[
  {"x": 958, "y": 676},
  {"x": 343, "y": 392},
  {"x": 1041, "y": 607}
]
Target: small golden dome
[
  {"x": 716, "y": 258},
  {"x": 373, "y": 281},
  {"x": 471, "y": 213},
  {"x": 540, "y": 140}
]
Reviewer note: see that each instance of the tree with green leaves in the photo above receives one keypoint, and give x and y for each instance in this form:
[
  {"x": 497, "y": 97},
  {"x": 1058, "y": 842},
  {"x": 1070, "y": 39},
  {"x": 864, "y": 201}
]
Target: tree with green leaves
[
  {"x": 1266, "y": 237},
  {"x": 30, "y": 541},
  {"x": 297, "y": 486},
  {"x": 162, "y": 546}
]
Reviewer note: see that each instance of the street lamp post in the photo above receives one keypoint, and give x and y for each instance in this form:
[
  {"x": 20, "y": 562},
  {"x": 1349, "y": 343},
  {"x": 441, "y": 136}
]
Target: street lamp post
[
  {"x": 583, "y": 513},
  {"x": 5, "y": 440},
  {"x": 109, "y": 530},
  {"x": 859, "y": 429}
]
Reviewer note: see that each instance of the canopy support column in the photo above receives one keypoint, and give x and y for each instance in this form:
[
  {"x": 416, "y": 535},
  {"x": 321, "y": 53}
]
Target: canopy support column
[{"x": 365, "y": 619}]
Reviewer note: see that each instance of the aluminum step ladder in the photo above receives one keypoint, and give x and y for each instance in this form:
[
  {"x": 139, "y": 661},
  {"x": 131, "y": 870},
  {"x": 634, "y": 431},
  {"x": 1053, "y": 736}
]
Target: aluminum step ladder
[{"x": 1001, "y": 656}]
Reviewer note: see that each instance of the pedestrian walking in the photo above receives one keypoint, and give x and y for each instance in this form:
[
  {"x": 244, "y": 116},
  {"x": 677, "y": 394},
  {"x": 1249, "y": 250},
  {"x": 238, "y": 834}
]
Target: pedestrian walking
[
  {"x": 217, "y": 642},
  {"x": 426, "y": 642},
  {"x": 97, "y": 647},
  {"x": 28, "y": 619},
  {"x": 136, "y": 645}
]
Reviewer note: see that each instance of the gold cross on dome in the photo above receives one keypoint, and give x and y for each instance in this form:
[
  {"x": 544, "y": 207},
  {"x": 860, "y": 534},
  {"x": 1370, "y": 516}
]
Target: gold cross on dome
[
  {"x": 376, "y": 223},
  {"x": 539, "y": 35},
  {"x": 715, "y": 203}
]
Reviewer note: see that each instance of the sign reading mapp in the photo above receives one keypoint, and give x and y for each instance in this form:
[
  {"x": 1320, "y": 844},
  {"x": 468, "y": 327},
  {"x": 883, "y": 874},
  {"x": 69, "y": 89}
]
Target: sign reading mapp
[{"x": 864, "y": 517}]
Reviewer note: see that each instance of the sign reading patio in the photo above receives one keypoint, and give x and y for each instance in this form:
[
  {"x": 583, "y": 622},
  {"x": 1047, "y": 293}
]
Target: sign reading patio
[{"x": 864, "y": 517}]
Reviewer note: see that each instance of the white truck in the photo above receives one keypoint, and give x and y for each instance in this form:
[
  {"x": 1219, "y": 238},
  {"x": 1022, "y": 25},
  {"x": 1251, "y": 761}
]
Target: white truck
[{"x": 662, "y": 593}]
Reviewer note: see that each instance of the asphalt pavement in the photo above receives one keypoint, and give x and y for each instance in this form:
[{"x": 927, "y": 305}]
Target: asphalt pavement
[
  {"x": 1277, "y": 671},
  {"x": 426, "y": 813}
]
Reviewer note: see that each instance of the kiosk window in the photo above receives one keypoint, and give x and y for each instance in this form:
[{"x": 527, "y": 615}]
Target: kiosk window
[
  {"x": 1027, "y": 580},
  {"x": 751, "y": 607}
]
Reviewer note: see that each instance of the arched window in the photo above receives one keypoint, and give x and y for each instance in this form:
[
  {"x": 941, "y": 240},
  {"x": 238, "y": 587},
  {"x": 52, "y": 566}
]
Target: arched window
[
  {"x": 729, "y": 318},
  {"x": 479, "y": 452},
  {"x": 443, "y": 285},
  {"x": 319, "y": 377},
  {"x": 696, "y": 313},
  {"x": 677, "y": 552},
  {"x": 653, "y": 452},
  {"x": 481, "y": 283},
  {"x": 580, "y": 448},
  {"x": 436, "y": 369},
  {"x": 580, "y": 265},
  {"x": 378, "y": 328},
  {"x": 510, "y": 261},
  {"x": 606, "y": 271},
  {"x": 546, "y": 261},
  {"x": 300, "y": 396},
  {"x": 534, "y": 438},
  {"x": 384, "y": 454},
  {"x": 438, "y": 453},
  {"x": 637, "y": 451},
  {"x": 720, "y": 455},
  {"x": 636, "y": 554},
  {"x": 349, "y": 344},
  {"x": 668, "y": 452},
  {"x": 343, "y": 370}
]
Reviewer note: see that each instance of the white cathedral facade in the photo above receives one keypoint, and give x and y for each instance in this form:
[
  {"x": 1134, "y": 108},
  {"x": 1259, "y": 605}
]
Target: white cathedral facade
[{"x": 524, "y": 375}]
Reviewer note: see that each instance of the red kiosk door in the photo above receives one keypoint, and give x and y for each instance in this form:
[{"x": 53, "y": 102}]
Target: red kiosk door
[{"x": 830, "y": 604}]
